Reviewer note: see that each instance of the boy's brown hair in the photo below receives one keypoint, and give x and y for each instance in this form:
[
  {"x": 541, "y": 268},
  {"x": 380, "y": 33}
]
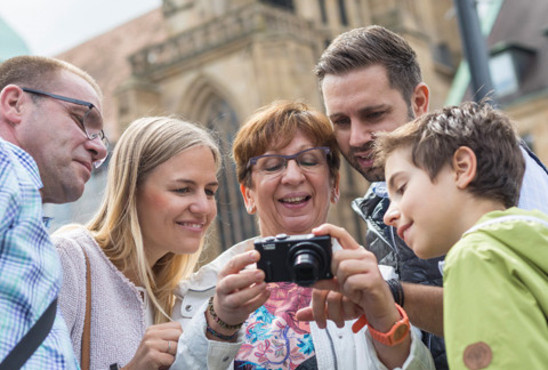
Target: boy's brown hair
[{"x": 434, "y": 138}]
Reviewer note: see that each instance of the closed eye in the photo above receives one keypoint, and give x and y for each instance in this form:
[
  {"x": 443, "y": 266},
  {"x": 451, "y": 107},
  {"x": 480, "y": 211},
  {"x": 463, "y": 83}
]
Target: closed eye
[
  {"x": 401, "y": 189},
  {"x": 375, "y": 115},
  {"x": 182, "y": 190},
  {"x": 340, "y": 121},
  {"x": 211, "y": 192}
]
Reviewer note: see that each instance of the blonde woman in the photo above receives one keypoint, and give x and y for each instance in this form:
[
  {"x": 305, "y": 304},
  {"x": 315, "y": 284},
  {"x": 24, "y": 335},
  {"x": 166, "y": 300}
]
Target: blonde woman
[{"x": 146, "y": 238}]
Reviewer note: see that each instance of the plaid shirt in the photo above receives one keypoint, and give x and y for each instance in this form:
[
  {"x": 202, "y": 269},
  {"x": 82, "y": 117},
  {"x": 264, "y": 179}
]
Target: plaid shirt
[{"x": 30, "y": 270}]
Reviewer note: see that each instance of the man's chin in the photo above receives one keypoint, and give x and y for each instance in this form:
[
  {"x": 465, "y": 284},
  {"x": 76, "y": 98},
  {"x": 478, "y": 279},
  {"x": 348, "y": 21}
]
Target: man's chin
[{"x": 371, "y": 174}]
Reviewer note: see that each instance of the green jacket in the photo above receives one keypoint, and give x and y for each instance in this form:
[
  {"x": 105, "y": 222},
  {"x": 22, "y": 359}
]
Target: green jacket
[{"x": 496, "y": 293}]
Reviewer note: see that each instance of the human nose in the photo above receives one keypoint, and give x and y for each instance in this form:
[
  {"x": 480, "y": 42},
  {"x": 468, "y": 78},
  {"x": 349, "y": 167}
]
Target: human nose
[
  {"x": 98, "y": 151},
  {"x": 202, "y": 204},
  {"x": 392, "y": 215},
  {"x": 360, "y": 134},
  {"x": 292, "y": 170}
]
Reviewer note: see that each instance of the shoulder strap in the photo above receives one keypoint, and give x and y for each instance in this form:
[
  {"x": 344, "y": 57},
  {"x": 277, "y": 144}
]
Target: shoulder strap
[
  {"x": 86, "y": 335},
  {"x": 32, "y": 340}
]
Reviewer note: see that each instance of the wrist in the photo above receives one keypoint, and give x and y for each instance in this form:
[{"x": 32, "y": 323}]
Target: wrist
[
  {"x": 395, "y": 334},
  {"x": 221, "y": 324},
  {"x": 397, "y": 291},
  {"x": 215, "y": 332}
]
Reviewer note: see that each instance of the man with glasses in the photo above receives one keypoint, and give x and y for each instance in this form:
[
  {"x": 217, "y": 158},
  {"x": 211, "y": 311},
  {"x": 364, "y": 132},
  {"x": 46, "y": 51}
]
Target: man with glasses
[{"x": 51, "y": 138}]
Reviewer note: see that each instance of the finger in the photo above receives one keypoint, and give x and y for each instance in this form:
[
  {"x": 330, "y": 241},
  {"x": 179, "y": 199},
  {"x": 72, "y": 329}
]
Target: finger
[
  {"x": 318, "y": 307},
  {"x": 350, "y": 309},
  {"x": 305, "y": 314},
  {"x": 345, "y": 239},
  {"x": 238, "y": 262},
  {"x": 334, "y": 308},
  {"x": 165, "y": 331},
  {"x": 241, "y": 280},
  {"x": 328, "y": 284},
  {"x": 242, "y": 297}
]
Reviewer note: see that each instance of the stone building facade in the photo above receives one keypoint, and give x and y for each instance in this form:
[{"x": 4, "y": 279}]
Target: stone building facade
[{"x": 217, "y": 61}]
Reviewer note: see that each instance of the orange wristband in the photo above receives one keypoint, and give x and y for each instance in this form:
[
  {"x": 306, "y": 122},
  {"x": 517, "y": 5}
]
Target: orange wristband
[{"x": 394, "y": 336}]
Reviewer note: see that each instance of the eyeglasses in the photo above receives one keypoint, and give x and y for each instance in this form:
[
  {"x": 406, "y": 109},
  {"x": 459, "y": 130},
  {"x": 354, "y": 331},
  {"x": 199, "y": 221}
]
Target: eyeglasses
[
  {"x": 308, "y": 160},
  {"x": 90, "y": 123}
]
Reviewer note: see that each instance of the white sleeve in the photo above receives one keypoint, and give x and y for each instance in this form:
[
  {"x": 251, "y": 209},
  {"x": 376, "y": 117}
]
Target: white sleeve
[
  {"x": 419, "y": 357},
  {"x": 196, "y": 351}
]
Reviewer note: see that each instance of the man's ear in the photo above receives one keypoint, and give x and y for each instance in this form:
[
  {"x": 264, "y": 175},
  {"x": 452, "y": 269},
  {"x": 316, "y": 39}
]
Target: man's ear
[
  {"x": 465, "y": 166},
  {"x": 248, "y": 199},
  {"x": 420, "y": 99},
  {"x": 11, "y": 100}
]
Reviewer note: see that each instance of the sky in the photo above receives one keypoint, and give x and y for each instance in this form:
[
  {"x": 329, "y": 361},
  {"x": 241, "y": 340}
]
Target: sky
[{"x": 53, "y": 26}]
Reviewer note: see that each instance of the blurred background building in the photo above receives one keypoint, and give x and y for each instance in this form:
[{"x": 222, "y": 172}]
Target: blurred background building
[{"x": 217, "y": 61}]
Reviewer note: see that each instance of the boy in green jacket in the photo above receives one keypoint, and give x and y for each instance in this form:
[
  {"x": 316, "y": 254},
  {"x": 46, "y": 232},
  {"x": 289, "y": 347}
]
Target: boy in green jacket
[{"x": 453, "y": 179}]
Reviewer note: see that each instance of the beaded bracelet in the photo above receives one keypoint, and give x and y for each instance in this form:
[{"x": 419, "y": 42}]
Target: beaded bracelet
[
  {"x": 221, "y": 336},
  {"x": 218, "y": 320}
]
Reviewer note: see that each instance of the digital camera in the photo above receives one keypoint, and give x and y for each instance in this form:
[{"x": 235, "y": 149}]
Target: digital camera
[{"x": 302, "y": 259}]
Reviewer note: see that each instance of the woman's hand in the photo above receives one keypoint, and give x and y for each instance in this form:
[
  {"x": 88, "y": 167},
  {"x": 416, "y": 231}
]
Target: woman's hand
[
  {"x": 357, "y": 287},
  {"x": 158, "y": 347},
  {"x": 239, "y": 292}
]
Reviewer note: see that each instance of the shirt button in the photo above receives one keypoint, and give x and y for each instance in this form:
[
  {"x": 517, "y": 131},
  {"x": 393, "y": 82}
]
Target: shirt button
[
  {"x": 225, "y": 359},
  {"x": 188, "y": 308}
]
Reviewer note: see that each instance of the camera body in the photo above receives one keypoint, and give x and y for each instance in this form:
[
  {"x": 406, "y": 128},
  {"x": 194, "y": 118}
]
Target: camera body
[{"x": 302, "y": 259}]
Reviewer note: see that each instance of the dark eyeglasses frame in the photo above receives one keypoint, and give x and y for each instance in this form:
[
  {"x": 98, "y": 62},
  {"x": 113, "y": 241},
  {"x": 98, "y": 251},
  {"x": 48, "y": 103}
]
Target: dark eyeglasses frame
[
  {"x": 253, "y": 160},
  {"x": 101, "y": 134}
]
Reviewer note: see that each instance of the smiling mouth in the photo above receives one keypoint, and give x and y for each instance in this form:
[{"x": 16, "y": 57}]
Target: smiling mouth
[
  {"x": 295, "y": 200},
  {"x": 402, "y": 230},
  {"x": 197, "y": 226}
]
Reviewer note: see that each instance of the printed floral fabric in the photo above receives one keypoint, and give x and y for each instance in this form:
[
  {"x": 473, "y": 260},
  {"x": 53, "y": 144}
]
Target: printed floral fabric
[{"x": 274, "y": 339}]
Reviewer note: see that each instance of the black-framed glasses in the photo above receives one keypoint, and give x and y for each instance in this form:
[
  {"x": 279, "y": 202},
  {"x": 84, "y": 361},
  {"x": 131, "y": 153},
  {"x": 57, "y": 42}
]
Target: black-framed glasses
[
  {"x": 91, "y": 122},
  {"x": 310, "y": 159}
]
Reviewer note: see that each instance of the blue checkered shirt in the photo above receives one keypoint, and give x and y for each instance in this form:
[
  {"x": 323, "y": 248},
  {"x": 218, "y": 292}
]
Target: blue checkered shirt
[{"x": 30, "y": 270}]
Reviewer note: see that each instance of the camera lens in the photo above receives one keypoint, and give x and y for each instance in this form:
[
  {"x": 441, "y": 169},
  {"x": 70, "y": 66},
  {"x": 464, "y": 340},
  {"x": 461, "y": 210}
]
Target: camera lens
[{"x": 307, "y": 263}]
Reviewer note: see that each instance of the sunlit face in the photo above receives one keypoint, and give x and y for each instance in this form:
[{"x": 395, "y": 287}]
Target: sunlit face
[
  {"x": 294, "y": 201},
  {"x": 176, "y": 203},
  {"x": 52, "y": 136},
  {"x": 359, "y": 104},
  {"x": 422, "y": 211}
]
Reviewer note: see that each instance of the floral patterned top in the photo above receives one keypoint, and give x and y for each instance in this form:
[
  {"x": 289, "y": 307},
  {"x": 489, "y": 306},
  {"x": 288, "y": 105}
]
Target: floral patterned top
[{"x": 274, "y": 339}]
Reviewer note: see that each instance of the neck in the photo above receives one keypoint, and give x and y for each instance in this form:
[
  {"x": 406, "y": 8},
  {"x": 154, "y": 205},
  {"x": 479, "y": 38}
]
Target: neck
[{"x": 476, "y": 208}]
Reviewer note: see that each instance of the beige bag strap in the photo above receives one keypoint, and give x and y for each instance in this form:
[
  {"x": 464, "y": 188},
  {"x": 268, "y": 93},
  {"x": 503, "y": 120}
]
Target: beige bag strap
[{"x": 84, "y": 358}]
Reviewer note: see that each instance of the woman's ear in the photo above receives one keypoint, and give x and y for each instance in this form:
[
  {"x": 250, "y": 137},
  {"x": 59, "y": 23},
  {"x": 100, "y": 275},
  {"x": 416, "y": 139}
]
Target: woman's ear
[
  {"x": 248, "y": 199},
  {"x": 335, "y": 192},
  {"x": 464, "y": 166}
]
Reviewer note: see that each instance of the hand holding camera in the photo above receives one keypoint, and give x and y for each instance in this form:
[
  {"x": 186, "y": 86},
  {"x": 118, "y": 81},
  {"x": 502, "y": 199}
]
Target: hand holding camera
[{"x": 302, "y": 259}]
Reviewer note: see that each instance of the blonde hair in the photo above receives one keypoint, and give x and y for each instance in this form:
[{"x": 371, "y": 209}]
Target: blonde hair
[{"x": 147, "y": 143}]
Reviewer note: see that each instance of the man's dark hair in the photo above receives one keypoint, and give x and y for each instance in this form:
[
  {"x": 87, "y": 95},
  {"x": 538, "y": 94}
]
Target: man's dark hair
[{"x": 373, "y": 45}]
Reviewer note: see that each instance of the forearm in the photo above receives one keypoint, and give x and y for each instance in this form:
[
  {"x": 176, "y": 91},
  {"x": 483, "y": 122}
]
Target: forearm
[{"x": 424, "y": 306}]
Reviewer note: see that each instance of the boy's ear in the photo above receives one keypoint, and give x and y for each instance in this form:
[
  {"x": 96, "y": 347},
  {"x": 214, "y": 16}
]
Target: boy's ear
[{"x": 465, "y": 166}]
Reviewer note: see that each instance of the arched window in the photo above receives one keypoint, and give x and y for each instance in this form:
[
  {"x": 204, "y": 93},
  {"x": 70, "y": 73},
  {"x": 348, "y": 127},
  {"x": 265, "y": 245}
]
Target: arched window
[{"x": 233, "y": 222}]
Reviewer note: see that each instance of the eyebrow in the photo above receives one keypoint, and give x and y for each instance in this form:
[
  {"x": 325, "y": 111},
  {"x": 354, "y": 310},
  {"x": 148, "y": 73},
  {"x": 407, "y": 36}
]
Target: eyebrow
[
  {"x": 364, "y": 110},
  {"x": 192, "y": 182}
]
